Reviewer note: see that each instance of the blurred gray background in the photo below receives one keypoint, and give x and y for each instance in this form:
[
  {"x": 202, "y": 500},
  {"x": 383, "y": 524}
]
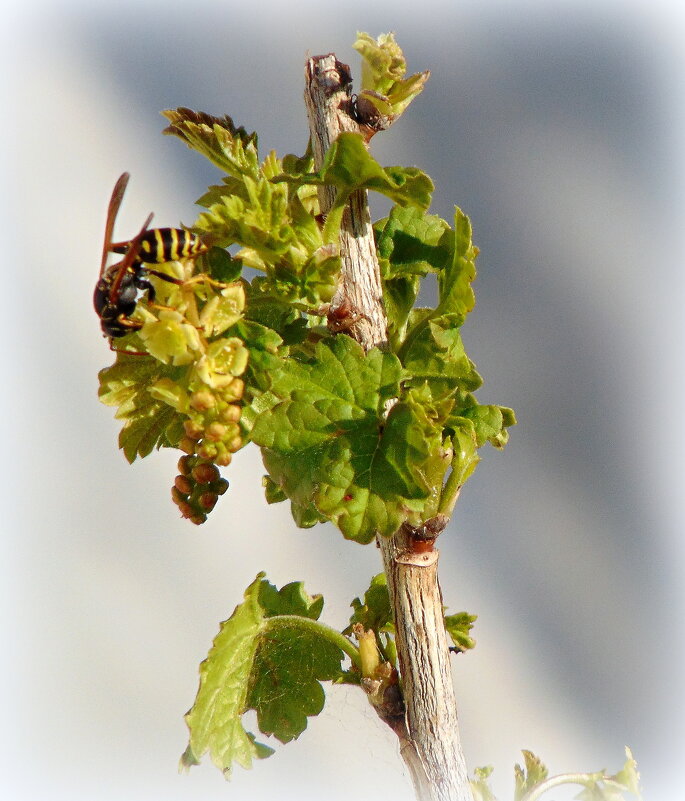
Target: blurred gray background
[{"x": 559, "y": 128}]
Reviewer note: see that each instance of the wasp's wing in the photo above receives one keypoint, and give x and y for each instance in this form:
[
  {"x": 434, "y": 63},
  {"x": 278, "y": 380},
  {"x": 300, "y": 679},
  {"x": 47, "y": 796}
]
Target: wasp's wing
[
  {"x": 112, "y": 211},
  {"x": 128, "y": 260}
]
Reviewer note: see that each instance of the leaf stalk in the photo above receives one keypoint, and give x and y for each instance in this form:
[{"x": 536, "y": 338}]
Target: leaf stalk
[{"x": 321, "y": 630}]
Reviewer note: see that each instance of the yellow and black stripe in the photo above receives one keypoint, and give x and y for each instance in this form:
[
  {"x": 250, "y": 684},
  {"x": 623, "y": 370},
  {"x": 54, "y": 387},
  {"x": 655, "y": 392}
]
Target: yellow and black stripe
[{"x": 160, "y": 245}]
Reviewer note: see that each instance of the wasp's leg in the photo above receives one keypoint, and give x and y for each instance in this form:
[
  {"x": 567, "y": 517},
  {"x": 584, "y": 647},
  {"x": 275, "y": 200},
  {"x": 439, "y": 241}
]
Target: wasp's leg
[{"x": 164, "y": 276}]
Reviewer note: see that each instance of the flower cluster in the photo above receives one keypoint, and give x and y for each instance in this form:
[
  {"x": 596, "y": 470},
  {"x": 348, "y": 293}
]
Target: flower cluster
[
  {"x": 188, "y": 392},
  {"x": 207, "y": 394}
]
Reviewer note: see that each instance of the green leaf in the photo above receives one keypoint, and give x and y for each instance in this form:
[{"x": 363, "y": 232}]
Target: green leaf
[
  {"x": 412, "y": 444},
  {"x": 465, "y": 456},
  {"x": 270, "y": 656},
  {"x": 279, "y": 237},
  {"x": 454, "y": 282},
  {"x": 272, "y": 493},
  {"x": 629, "y": 776},
  {"x": 231, "y": 149},
  {"x": 148, "y": 421},
  {"x": 383, "y": 71},
  {"x": 399, "y": 296},
  {"x": 459, "y": 627},
  {"x": 412, "y": 242},
  {"x": 268, "y": 311},
  {"x": 263, "y": 345},
  {"x": 290, "y": 663},
  {"x": 490, "y": 424},
  {"x": 306, "y": 515},
  {"x": 480, "y": 786},
  {"x": 599, "y": 788},
  {"x": 215, "y": 718},
  {"x": 434, "y": 353},
  {"x": 375, "y": 612},
  {"x": 252, "y": 212},
  {"x": 349, "y": 166},
  {"x": 330, "y": 442},
  {"x": 291, "y": 599},
  {"x": 455, "y": 260},
  {"x": 485, "y": 423},
  {"x": 299, "y": 165},
  {"x": 222, "y": 266},
  {"x": 526, "y": 778}
]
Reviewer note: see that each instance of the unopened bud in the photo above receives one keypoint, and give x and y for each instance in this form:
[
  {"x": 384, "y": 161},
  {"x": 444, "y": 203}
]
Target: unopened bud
[
  {"x": 231, "y": 414},
  {"x": 205, "y": 473},
  {"x": 235, "y": 444},
  {"x": 215, "y": 432},
  {"x": 177, "y": 497},
  {"x": 184, "y": 465},
  {"x": 188, "y": 445},
  {"x": 193, "y": 430},
  {"x": 208, "y": 501},
  {"x": 235, "y": 389},
  {"x": 201, "y": 401},
  {"x": 223, "y": 459},
  {"x": 186, "y": 510},
  {"x": 207, "y": 451},
  {"x": 183, "y": 485}
]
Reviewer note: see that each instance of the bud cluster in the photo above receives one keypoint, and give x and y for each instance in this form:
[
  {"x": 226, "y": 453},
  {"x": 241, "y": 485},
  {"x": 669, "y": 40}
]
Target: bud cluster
[
  {"x": 197, "y": 488},
  {"x": 212, "y": 427}
]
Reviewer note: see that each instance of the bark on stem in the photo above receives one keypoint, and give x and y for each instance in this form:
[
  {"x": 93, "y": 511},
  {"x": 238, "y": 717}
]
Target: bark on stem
[{"x": 427, "y": 725}]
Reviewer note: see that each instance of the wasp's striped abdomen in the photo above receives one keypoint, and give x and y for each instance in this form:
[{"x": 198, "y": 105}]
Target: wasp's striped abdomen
[{"x": 166, "y": 244}]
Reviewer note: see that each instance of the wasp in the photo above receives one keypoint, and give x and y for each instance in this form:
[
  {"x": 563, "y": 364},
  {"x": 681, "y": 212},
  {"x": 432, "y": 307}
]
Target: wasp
[{"x": 118, "y": 287}]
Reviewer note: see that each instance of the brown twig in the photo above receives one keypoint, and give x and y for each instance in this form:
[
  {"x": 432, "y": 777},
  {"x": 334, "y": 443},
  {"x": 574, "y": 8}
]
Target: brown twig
[{"x": 428, "y": 730}]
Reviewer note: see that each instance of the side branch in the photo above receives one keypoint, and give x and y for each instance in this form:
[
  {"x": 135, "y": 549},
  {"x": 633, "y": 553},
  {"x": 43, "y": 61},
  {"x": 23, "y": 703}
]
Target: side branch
[{"x": 428, "y": 731}]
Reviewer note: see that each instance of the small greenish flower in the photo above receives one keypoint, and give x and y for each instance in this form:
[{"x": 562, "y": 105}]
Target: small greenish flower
[
  {"x": 172, "y": 394},
  {"x": 223, "y": 310},
  {"x": 171, "y": 339},
  {"x": 224, "y": 360}
]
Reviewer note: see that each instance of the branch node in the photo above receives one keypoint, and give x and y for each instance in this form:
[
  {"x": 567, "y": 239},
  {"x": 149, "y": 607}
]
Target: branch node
[{"x": 416, "y": 558}]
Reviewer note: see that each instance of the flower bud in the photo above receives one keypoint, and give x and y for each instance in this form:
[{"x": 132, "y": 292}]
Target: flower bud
[
  {"x": 205, "y": 473},
  {"x": 208, "y": 501},
  {"x": 208, "y": 451},
  {"x": 202, "y": 400},
  {"x": 235, "y": 444},
  {"x": 193, "y": 430},
  {"x": 233, "y": 391},
  {"x": 187, "y": 445},
  {"x": 183, "y": 485},
  {"x": 231, "y": 414},
  {"x": 215, "y": 432},
  {"x": 224, "y": 458},
  {"x": 177, "y": 497},
  {"x": 185, "y": 465}
]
